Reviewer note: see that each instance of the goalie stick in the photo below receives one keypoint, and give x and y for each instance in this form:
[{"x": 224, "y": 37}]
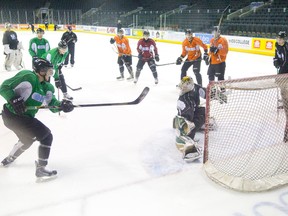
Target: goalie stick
[
  {"x": 136, "y": 101},
  {"x": 74, "y": 89}
]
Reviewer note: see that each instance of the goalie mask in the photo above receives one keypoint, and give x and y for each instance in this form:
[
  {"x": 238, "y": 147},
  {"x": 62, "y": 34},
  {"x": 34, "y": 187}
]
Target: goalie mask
[{"x": 186, "y": 85}]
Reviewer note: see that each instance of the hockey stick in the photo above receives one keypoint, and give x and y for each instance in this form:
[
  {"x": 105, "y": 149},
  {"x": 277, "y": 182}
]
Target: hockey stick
[
  {"x": 136, "y": 101},
  {"x": 74, "y": 89},
  {"x": 222, "y": 16},
  {"x": 165, "y": 64}
]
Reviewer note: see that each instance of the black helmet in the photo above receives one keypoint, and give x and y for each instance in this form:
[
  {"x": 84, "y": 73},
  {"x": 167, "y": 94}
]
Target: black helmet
[
  {"x": 41, "y": 64},
  {"x": 188, "y": 31},
  {"x": 282, "y": 34},
  {"x": 39, "y": 30},
  {"x": 121, "y": 31},
  {"x": 146, "y": 32},
  {"x": 62, "y": 45},
  {"x": 216, "y": 29}
]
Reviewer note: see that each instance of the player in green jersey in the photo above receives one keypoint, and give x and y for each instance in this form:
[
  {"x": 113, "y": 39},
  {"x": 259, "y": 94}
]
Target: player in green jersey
[
  {"x": 23, "y": 92},
  {"x": 57, "y": 57},
  {"x": 38, "y": 45}
]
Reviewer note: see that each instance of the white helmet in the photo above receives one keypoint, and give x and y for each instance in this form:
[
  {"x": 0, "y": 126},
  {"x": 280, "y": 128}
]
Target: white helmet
[
  {"x": 8, "y": 25},
  {"x": 186, "y": 84}
]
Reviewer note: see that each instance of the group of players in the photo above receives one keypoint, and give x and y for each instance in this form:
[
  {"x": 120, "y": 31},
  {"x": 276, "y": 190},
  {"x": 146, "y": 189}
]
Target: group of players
[{"x": 28, "y": 90}]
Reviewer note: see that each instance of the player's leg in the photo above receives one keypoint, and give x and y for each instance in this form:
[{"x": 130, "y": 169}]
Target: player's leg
[
  {"x": 139, "y": 67},
  {"x": 152, "y": 67},
  {"x": 220, "y": 71},
  {"x": 128, "y": 63},
  {"x": 9, "y": 60},
  {"x": 72, "y": 53},
  {"x": 184, "y": 69},
  {"x": 196, "y": 70},
  {"x": 211, "y": 72}
]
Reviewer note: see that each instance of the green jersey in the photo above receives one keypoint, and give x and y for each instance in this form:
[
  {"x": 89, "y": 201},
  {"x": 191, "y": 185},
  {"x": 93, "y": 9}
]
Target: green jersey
[
  {"x": 37, "y": 47},
  {"x": 56, "y": 60},
  {"x": 34, "y": 93}
]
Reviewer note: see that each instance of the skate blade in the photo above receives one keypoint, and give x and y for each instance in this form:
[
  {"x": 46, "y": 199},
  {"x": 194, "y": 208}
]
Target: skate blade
[{"x": 45, "y": 179}]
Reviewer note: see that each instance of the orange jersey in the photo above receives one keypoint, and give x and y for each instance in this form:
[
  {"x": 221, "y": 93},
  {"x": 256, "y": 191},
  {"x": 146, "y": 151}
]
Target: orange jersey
[
  {"x": 222, "y": 44},
  {"x": 192, "y": 48},
  {"x": 122, "y": 45}
]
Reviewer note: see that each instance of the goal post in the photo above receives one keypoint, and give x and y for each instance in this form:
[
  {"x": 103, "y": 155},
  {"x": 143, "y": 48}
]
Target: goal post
[{"x": 248, "y": 150}]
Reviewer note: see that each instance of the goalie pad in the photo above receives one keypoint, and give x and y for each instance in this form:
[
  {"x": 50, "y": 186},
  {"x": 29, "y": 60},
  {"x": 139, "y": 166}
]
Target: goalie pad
[
  {"x": 190, "y": 149},
  {"x": 10, "y": 59},
  {"x": 18, "y": 59},
  {"x": 183, "y": 126}
]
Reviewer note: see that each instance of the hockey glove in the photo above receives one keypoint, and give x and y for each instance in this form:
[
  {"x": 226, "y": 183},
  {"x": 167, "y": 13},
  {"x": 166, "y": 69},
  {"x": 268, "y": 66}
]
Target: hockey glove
[
  {"x": 276, "y": 63},
  {"x": 179, "y": 61},
  {"x": 58, "y": 84},
  {"x": 18, "y": 105},
  {"x": 140, "y": 56},
  {"x": 112, "y": 41},
  {"x": 66, "y": 106},
  {"x": 206, "y": 58},
  {"x": 214, "y": 49},
  {"x": 157, "y": 58}
]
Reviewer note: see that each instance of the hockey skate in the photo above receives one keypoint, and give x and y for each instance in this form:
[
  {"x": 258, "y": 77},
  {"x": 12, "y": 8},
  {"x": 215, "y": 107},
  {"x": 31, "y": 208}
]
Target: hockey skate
[
  {"x": 8, "y": 160},
  {"x": 130, "y": 78},
  {"x": 156, "y": 81},
  {"x": 43, "y": 174},
  {"x": 135, "y": 80},
  {"x": 120, "y": 78},
  {"x": 67, "y": 96}
]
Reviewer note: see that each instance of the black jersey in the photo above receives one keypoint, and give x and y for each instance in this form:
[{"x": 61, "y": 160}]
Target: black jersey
[
  {"x": 69, "y": 37},
  {"x": 190, "y": 101},
  {"x": 281, "y": 54},
  {"x": 10, "y": 37}
]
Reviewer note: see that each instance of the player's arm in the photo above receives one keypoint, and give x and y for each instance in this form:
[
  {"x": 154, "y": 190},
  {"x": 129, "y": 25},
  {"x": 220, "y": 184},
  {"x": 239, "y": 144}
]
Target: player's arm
[{"x": 32, "y": 48}]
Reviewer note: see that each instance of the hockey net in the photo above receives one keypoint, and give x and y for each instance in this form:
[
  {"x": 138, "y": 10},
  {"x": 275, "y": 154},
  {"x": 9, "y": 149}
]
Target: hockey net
[{"x": 247, "y": 151}]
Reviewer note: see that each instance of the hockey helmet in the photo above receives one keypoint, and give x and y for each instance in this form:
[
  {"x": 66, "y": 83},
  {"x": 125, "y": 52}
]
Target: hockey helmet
[
  {"x": 8, "y": 25},
  {"x": 40, "y": 30},
  {"x": 146, "y": 33},
  {"x": 120, "y": 31},
  {"x": 41, "y": 65},
  {"x": 188, "y": 31},
  {"x": 186, "y": 84},
  {"x": 282, "y": 34},
  {"x": 69, "y": 28}
]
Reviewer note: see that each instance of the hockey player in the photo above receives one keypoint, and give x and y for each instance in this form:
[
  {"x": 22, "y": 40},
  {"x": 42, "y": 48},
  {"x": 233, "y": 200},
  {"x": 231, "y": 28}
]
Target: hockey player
[
  {"x": 57, "y": 56},
  {"x": 25, "y": 90},
  {"x": 145, "y": 47},
  {"x": 38, "y": 45},
  {"x": 218, "y": 53},
  {"x": 12, "y": 49},
  {"x": 124, "y": 54},
  {"x": 190, "y": 118},
  {"x": 70, "y": 38},
  {"x": 280, "y": 61},
  {"x": 191, "y": 48}
]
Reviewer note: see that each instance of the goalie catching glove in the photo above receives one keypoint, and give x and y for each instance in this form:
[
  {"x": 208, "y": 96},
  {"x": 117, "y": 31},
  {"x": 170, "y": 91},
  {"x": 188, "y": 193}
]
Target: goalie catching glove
[{"x": 66, "y": 106}]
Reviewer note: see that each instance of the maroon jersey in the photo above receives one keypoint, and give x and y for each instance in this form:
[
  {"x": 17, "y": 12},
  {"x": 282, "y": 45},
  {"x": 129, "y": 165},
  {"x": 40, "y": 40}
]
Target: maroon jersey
[{"x": 146, "y": 48}]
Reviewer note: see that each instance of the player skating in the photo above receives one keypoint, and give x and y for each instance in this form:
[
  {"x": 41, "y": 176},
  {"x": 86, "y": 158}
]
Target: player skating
[
  {"x": 124, "y": 54},
  {"x": 70, "y": 38},
  {"x": 218, "y": 53},
  {"x": 31, "y": 88},
  {"x": 191, "y": 48},
  {"x": 146, "y": 47},
  {"x": 38, "y": 45},
  {"x": 57, "y": 56},
  {"x": 12, "y": 49}
]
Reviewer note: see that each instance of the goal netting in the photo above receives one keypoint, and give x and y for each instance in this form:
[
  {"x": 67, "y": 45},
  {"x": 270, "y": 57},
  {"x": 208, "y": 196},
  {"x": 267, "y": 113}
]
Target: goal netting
[{"x": 247, "y": 151}]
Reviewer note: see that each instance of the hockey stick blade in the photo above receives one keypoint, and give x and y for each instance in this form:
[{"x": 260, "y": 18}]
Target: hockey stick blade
[
  {"x": 74, "y": 89},
  {"x": 136, "y": 101}
]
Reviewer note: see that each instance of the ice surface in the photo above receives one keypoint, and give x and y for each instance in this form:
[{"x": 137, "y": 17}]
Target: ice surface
[{"x": 122, "y": 160}]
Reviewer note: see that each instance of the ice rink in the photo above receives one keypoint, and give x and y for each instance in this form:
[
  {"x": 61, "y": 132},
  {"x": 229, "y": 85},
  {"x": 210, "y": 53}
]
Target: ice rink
[{"x": 123, "y": 160}]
